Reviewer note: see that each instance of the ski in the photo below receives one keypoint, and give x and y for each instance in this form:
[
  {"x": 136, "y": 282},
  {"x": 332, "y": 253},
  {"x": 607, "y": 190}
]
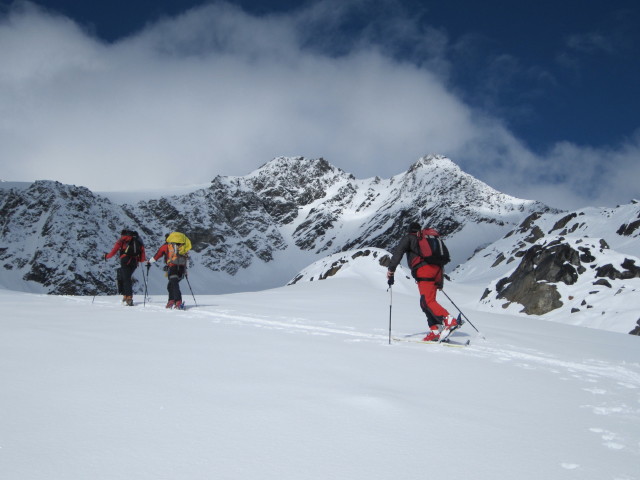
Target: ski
[{"x": 445, "y": 343}]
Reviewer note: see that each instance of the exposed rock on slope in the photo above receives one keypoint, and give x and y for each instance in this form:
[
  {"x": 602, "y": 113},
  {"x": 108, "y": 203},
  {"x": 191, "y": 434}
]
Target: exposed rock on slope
[{"x": 577, "y": 267}]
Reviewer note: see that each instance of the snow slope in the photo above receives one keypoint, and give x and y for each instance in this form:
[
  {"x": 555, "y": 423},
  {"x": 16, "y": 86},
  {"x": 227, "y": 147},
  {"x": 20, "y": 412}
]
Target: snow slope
[
  {"x": 610, "y": 236},
  {"x": 300, "y": 382}
]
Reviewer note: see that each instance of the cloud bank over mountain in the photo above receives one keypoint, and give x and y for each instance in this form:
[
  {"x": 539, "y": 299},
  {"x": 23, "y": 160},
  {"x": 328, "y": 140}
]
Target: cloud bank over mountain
[{"x": 219, "y": 91}]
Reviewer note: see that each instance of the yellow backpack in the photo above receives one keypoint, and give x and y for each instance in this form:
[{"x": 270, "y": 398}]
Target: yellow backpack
[{"x": 179, "y": 246}]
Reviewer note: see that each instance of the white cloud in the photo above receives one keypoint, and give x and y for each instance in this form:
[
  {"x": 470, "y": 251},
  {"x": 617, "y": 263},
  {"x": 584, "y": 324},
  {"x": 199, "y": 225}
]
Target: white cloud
[
  {"x": 217, "y": 91},
  {"x": 590, "y": 43}
]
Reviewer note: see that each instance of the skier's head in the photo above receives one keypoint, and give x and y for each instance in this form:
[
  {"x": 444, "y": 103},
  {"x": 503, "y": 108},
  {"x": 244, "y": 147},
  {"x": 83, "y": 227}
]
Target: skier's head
[{"x": 414, "y": 227}]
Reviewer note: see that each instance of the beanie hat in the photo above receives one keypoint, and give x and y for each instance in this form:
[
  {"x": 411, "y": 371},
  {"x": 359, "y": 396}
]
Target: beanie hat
[{"x": 414, "y": 227}]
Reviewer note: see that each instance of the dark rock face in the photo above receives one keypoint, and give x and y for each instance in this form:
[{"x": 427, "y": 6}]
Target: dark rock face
[
  {"x": 531, "y": 284},
  {"x": 563, "y": 222},
  {"x": 286, "y": 184},
  {"x": 536, "y": 298},
  {"x": 628, "y": 229},
  {"x": 628, "y": 271}
]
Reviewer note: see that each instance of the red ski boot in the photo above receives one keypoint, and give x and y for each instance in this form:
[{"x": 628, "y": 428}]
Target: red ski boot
[
  {"x": 450, "y": 323},
  {"x": 434, "y": 334}
]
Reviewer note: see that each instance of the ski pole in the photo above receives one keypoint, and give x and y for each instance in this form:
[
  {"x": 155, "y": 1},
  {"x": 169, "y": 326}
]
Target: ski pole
[
  {"x": 144, "y": 303},
  {"x": 101, "y": 272},
  {"x": 462, "y": 313},
  {"x": 148, "y": 267},
  {"x": 390, "y": 305},
  {"x": 188, "y": 283},
  {"x": 96, "y": 292}
]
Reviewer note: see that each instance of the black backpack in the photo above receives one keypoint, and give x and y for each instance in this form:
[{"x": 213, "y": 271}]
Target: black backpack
[
  {"x": 133, "y": 248},
  {"x": 433, "y": 251}
]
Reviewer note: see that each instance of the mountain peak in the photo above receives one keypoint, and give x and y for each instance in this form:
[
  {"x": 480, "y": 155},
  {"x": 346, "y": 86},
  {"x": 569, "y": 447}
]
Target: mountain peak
[
  {"x": 263, "y": 227},
  {"x": 434, "y": 160},
  {"x": 314, "y": 167}
]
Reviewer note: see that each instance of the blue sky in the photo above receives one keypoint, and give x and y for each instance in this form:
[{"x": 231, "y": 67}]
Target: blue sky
[{"x": 538, "y": 99}]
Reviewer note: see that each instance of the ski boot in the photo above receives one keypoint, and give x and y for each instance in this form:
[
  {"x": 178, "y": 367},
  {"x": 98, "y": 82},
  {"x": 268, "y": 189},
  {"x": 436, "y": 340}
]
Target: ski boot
[
  {"x": 450, "y": 324},
  {"x": 434, "y": 334}
]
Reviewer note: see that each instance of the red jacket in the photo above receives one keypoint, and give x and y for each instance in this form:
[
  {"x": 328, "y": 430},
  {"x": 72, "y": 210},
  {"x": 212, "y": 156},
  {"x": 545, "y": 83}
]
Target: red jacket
[
  {"x": 120, "y": 244},
  {"x": 163, "y": 251}
]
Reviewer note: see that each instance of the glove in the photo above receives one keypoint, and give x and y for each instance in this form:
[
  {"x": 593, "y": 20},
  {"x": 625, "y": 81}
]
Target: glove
[
  {"x": 390, "y": 278},
  {"x": 150, "y": 261},
  {"x": 104, "y": 257}
]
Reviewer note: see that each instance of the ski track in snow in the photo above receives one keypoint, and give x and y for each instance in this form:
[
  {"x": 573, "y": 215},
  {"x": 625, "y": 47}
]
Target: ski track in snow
[
  {"x": 590, "y": 372},
  {"x": 602, "y": 381}
]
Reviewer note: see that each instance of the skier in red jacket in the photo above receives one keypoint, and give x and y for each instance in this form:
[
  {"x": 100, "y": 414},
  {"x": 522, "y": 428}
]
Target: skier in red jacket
[
  {"x": 175, "y": 256},
  {"x": 131, "y": 252},
  {"x": 429, "y": 280}
]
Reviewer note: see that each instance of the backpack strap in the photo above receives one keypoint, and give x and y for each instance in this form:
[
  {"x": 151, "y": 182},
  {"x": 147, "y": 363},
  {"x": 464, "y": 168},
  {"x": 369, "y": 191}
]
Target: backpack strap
[
  {"x": 419, "y": 260},
  {"x": 422, "y": 279}
]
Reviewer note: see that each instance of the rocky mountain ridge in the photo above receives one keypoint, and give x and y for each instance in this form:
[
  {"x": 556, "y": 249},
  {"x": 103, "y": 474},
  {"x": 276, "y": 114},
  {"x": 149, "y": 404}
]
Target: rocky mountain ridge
[{"x": 249, "y": 232}]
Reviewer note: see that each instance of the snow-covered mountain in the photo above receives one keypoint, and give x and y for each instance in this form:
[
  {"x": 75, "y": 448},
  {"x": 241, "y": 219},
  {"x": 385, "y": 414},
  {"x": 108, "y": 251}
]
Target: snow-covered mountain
[
  {"x": 268, "y": 228},
  {"x": 579, "y": 267},
  {"x": 52, "y": 236},
  {"x": 250, "y": 232}
]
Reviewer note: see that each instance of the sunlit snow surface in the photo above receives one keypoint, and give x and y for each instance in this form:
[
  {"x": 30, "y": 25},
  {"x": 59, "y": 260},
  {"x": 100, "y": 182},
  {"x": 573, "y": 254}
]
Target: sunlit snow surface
[{"x": 300, "y": 382}]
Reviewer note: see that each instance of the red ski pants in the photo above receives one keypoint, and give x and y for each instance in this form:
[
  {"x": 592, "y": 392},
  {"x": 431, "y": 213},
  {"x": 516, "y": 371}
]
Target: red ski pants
[{"x": 428, "y": 289}]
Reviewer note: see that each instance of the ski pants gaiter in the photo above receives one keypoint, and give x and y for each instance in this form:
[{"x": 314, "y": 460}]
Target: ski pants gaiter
[
  {"x": 175, "y": 274},
  {"x": 432, "y": 309},
  {"x": 126, "y": 272}
]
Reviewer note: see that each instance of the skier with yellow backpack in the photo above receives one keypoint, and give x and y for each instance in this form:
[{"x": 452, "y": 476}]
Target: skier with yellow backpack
[{"x": 176, "y": 257}]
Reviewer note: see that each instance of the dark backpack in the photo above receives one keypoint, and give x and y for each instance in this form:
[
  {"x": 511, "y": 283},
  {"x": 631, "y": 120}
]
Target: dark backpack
[
  {"x": 133, "y": 248},
  {"x": 433, "y": 251}
]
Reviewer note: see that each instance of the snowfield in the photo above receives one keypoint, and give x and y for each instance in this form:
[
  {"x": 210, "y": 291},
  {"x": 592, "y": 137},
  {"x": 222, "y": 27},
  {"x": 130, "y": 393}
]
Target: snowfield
[{"x": 300, "y": 382}]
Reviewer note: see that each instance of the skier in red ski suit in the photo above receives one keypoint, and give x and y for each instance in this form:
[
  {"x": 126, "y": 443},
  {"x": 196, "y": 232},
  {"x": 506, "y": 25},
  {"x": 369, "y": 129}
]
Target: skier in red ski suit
[{"x": 429, "y": 279}]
